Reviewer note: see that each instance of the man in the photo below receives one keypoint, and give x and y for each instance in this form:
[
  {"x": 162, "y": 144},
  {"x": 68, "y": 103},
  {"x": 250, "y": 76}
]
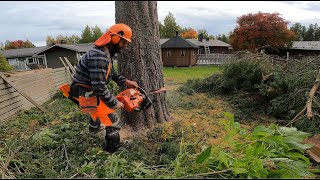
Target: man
[{"x": 93, "y": 72}]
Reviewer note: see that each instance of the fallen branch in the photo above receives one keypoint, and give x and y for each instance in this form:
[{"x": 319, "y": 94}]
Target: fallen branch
[
  {"x": 308, "y": 107},
  {"x": 297, "y": 116},
  {"x": 66, "y": 154},
  {"x": 311, "y": 96},
  {"x": 265, "y": 77}
]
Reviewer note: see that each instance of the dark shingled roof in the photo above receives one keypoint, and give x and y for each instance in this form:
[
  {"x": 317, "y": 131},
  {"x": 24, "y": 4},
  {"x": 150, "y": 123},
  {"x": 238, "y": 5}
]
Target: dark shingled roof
[
  {"x": 22, "y": 52},
  {"x": 28, "y": 52},
  {"x": 178, "y": 42},
  {"x": 75, "y": 47}
]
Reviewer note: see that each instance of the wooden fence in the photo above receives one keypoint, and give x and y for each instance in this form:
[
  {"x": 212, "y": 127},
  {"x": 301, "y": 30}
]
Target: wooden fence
[
  {"x": 214, "y": 59},
  {"x": 40, "y": 85}
]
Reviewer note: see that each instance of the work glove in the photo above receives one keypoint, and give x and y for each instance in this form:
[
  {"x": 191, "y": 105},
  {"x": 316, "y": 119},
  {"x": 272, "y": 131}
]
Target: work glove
[
  {"x": 118, "y": 105},
  {"x": 131, "y": 83}
]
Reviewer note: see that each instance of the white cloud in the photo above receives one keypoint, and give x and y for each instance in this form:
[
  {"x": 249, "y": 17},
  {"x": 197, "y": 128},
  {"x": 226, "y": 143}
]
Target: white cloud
[{"x": 42, "y": 18}]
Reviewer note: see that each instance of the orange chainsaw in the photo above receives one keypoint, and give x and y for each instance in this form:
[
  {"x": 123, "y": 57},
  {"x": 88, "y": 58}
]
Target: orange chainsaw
[{"x": 134, "y": 99}]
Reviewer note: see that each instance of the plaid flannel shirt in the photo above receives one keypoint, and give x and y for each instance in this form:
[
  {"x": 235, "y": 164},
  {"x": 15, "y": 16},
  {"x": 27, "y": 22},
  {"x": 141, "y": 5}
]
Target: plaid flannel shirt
[{"x": 92, "y": 69}]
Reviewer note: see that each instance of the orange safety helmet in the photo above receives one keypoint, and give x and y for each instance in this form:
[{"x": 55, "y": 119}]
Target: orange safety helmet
[{"x": 114, "y": 34}]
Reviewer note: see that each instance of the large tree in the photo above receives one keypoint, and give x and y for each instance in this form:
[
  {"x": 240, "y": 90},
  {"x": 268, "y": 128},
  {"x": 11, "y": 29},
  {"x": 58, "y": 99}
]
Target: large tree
[
  {"x": 261, "y": 30},
  {"x": 86, "y": 36},
  {"x": 204, "y": 33},
  {"x": 141, "y": 60},
  {"x": 96, "y": 33},
  {"x": 223, "y": 37},
  {"x": 299, "y": 31},
  {"x": 169, "y": 27}
]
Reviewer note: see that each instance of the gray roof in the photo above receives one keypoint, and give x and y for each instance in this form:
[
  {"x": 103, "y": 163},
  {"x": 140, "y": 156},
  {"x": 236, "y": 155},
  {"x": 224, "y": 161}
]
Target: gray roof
[
  {"x": 307, "y": 45},
  {"x": 203, "y": 43},
  {"x": 178, "y": 42},
  {"x": 28, "y": 52},
  {"x": 211, "y": 42},
  {"x": 163, "y": 41},
  {"x": 74, "y": 47},
  {"x": 22, "y": 52}
]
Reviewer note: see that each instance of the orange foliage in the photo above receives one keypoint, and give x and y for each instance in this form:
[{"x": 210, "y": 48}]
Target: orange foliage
[
  {"x": 261, "y": 30},
  {"x": 18, "y": 44},
  {"x": 190, "y": 34}
]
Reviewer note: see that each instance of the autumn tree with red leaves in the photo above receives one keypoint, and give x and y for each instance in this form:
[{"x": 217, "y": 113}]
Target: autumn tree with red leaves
[
  {"x": 261, "y": 30},
  {"x": 18, "y": 44}
]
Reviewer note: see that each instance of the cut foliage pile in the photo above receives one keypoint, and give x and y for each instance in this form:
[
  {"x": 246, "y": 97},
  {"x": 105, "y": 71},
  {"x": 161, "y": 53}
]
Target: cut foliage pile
[{"x": 265, "y": 85}]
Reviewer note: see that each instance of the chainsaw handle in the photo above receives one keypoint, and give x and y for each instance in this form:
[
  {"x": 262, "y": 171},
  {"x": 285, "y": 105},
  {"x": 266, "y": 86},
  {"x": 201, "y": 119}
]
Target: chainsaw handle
[{"x": 149, "y": 102}]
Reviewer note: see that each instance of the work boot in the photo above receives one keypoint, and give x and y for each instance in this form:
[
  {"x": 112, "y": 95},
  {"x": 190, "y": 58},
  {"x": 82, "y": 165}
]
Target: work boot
[
  {"x": 112, "y": 139},
  {"x": 94, "y": 125}
]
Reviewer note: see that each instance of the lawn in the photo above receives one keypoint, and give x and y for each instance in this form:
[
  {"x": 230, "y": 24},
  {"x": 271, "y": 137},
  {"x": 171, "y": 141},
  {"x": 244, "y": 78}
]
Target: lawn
[{"x": 179, "y": 75}]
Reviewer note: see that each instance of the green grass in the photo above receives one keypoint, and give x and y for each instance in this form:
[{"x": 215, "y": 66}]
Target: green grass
[{"x": 182, "y": 74}]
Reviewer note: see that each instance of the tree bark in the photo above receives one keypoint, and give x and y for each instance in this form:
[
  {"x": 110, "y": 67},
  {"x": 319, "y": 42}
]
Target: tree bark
[{"x": 141, "y": 60}]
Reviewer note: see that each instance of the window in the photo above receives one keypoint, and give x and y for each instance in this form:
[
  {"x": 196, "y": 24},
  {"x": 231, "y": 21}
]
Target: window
[
  {"x": 13, "y": 62},
  {"x": 194, "y": 52},
  {"x": 41, "y": 60},
  {"x": 183, "y": 53},
  {"x": 31, "y": 61},
  {"x": 168, "y": 53}
]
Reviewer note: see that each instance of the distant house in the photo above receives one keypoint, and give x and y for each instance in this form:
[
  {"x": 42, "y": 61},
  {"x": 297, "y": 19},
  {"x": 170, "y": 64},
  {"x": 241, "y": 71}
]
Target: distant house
[
  {"x": 23, "y": 59},
  {"x": 71, "y": 51},
  {"x": 45, "y": 56},
  {"x": 208, "y": 46},
  {"x": 299, "y": 48},
  {"x": 177, "y": 51}
]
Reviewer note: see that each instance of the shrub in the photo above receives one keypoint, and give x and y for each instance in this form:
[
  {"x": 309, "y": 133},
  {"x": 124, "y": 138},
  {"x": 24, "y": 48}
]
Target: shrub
[
  {"x": 4, "y": 65},
  {"x": 281, "y": 95}
]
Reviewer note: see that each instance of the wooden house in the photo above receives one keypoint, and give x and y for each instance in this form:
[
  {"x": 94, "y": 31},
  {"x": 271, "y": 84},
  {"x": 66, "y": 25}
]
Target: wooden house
[
  {"x": 298, "y": 48},
  {"x": 71, "y": 51},
  {"x": 45, "y": 56},
  {"x": 23, "y": 59},
  {"x": 177, "y": 51},
  {"x": 207, "y": 46}
]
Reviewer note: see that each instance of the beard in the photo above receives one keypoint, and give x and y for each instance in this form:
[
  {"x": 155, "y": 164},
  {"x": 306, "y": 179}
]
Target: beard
[{"x": 115, "y": 48}]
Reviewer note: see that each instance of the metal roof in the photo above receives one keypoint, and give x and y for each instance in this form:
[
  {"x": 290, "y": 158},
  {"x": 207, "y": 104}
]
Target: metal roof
[
  {"x": 178, "y": 42},
  {"x": 306, "y": 45}
]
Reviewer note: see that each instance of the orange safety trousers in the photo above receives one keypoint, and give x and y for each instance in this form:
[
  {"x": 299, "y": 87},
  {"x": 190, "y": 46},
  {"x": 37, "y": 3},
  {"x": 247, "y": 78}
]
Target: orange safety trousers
[{"x": 102, "y": 113}]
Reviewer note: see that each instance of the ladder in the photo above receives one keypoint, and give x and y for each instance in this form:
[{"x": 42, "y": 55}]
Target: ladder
[{"x": 207, "y": 49}]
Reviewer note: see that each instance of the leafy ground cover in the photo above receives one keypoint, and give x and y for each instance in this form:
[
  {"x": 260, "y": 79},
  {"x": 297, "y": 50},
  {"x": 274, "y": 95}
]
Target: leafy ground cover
[{"x": 203, "y": 141}]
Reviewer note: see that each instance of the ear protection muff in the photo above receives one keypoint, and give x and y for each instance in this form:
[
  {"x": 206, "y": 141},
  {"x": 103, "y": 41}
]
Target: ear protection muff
[{"x": 115, "y": 38}]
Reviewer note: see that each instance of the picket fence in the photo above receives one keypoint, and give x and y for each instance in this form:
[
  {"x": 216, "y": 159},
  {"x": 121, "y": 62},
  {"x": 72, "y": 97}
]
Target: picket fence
[{"x": 214, "y": 59}]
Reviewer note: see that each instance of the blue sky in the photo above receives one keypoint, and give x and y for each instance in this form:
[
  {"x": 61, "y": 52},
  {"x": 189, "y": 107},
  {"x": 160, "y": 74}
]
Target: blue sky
[{"x": 35, "y": 20}]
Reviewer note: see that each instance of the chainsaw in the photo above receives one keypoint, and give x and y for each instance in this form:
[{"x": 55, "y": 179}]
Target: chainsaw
[{"x": 134, "y": 99}]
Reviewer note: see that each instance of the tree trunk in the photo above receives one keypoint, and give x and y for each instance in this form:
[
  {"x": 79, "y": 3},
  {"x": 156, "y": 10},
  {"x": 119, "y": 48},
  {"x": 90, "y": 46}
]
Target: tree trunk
[{"x": 141, "y": 60}]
